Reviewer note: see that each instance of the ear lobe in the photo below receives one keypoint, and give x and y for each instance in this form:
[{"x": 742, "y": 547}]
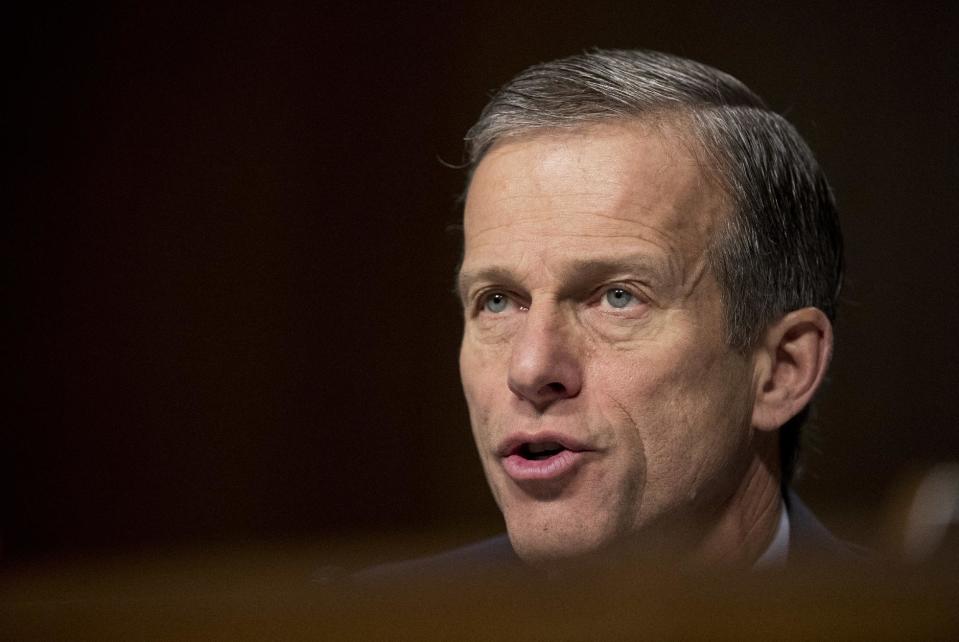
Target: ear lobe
[{"x": 794, "y": 356}]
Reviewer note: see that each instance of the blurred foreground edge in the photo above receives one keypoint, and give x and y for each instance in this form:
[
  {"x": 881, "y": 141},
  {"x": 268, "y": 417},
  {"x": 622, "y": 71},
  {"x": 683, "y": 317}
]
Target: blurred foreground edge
[
  {"x": 272, "y": 596},
  {"x": 318, "y": 590}
]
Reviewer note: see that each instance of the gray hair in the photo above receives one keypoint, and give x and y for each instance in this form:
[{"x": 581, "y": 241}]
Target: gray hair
[{"x": 781, "y": 247}]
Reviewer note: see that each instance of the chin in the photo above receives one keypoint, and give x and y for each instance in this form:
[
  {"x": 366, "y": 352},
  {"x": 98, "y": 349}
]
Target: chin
[
  {"x": 543, "y": 541},
  {"x": 538, "y": 552},
  {"x": 559, "y": 533}
]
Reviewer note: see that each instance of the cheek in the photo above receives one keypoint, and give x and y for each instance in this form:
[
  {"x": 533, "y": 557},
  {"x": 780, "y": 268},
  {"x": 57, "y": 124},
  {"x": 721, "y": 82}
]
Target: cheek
[
  {"x": 709, "y": 412},
  {"x": 680, "y": 417},
  {"x": 480, "y": 373}
]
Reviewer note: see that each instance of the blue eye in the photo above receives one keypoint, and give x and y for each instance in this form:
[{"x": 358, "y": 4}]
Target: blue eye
[
  {"x": 496, "y": 302},
  {"x": 618, "y": 297}
]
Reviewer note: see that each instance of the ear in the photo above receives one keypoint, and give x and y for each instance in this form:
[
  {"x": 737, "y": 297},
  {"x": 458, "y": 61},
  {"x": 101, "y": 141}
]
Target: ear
[{"x": 790, "y": 364}]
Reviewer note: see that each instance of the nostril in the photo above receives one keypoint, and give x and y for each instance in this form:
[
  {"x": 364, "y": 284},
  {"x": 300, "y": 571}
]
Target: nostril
[{"x": 556, "y": 386}]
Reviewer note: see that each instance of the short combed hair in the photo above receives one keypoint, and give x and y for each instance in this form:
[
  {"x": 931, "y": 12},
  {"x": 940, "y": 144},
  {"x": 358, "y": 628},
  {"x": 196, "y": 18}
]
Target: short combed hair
[{"x": 781, "y": 247}]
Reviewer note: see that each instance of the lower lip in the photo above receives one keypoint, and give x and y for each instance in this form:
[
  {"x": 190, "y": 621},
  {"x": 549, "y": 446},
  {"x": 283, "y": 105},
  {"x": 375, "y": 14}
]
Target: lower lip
[{"x": 522, "y": 469}]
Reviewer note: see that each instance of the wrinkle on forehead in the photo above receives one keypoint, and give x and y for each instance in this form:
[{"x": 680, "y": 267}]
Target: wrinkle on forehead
[{"x": 612, "y": 181}]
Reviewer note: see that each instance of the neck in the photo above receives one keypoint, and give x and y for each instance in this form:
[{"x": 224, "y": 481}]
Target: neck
[{"x": 747, "y": 521}]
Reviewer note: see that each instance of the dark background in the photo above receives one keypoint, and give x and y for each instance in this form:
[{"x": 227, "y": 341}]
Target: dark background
[{"x": 229, "y": 267}]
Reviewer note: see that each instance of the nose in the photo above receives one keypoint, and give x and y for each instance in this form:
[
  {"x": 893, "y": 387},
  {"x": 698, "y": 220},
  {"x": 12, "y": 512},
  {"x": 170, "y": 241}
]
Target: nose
[{"x": 544, "y": 367}]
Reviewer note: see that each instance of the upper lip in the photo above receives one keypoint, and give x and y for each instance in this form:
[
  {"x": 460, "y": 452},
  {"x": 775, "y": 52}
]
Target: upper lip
[{"x": 514, "y": 442}]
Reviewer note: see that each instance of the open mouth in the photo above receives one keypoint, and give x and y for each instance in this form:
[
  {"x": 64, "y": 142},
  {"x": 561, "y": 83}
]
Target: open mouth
[
  {"x": 541, "y": 457},
  {"x": 539, "y": 451}
]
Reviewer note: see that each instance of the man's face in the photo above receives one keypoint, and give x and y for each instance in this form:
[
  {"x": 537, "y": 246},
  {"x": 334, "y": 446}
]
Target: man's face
[{"x": 605, "y": 403}]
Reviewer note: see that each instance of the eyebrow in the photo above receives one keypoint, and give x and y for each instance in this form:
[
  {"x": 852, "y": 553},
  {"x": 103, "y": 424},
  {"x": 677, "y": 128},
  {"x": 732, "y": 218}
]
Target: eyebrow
[{"x": 576, "y": 273}]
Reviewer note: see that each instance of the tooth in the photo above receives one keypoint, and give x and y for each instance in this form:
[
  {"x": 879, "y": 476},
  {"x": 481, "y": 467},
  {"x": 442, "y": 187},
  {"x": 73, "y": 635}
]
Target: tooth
[{"x": 543, "y": 447}]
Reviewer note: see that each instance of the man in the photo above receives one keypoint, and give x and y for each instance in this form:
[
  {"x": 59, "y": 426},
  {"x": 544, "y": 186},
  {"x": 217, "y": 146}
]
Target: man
[{"x": 651, "y": 267}]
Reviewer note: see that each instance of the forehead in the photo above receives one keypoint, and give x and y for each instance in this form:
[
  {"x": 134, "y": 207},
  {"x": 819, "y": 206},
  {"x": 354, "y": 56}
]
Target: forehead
[{"x": 629, "y": 185}]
